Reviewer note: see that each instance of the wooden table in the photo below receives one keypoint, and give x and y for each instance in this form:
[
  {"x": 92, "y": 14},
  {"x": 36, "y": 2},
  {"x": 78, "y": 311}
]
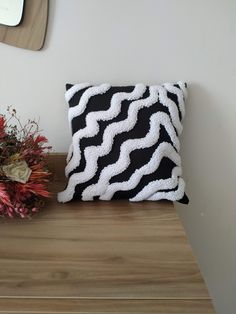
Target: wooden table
[{"x": 100, "y": 257}]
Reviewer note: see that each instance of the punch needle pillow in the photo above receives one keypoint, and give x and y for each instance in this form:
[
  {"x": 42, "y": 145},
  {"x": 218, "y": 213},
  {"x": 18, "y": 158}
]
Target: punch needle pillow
[{"x": 125, "y": 142}]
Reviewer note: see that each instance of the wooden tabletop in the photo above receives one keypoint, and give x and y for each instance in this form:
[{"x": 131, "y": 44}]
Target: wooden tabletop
[{"x": 106, "y": 257}]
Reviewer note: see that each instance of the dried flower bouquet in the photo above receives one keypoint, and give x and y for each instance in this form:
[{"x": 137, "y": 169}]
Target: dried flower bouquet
[{"x": 23, "y": 167}]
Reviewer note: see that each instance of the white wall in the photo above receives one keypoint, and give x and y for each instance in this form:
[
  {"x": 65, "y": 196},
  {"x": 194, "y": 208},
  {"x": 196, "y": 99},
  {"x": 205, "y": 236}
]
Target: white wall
[{"x": 150, "y": 41}]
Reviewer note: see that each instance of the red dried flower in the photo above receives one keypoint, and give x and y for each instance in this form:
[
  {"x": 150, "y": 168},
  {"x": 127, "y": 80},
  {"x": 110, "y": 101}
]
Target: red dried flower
[
  {"x": 40, "y": 139},
  {"x": 2, "y": 127},
  {"x": 4, "y": 196},
  {"x": 2, "y": 122}
]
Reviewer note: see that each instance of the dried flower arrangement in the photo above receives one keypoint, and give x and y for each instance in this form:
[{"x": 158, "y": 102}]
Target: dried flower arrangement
[{"x": 23, "y": 167}]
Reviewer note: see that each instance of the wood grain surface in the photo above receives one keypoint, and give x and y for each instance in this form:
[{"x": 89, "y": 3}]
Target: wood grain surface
[
  {"x": 16, "y": 305},
  {"x": 31, "y": 31},
  {"x": 105, "y": 257}
]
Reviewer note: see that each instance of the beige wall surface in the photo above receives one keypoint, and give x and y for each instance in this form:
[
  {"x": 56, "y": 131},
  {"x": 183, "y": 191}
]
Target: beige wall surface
[{"x": 150, "y": 41}]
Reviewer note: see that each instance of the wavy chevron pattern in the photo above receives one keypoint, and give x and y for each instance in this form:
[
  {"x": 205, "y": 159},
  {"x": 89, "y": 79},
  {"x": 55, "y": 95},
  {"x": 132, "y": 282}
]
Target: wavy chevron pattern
[
  {"x": 90, "y": 92},
  {"x": 155, "y": 186},
  {"x": 92, "y": 126},
  {"x": 125, "y": 142},
  {"x": 74, "y": 89},
  {"x": 126, "y": 148},
  {"x": 173, "y": 109},
  {"x": 170, "y": 196},
  {"x": 180, "y": 96},
  {"x": 92, "y": 153},
  {"x": 163, "y": 150}
]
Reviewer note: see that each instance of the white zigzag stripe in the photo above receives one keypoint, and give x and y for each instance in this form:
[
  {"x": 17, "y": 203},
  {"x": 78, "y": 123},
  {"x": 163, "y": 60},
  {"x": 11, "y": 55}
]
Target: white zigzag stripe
[
  {"x": 157, "y": 119},
  {"x": 172, "y": 107},
  {"x": 161, "y": 184},
  {"x": 74, "y": 89},
  {"x": 175, "y": 90},
  {"x": 163, "y": 150},
  {"x": 91, "y": 91},
  {"x": 172, "y": 195},
  {"x": 92, "y": 126}
]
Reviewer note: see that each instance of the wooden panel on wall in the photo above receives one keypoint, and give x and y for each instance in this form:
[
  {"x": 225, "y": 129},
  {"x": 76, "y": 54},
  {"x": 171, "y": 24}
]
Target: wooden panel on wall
[{"x": 30, "y": 33}]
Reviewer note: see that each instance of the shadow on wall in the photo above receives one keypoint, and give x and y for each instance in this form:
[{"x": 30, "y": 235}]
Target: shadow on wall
[
  {"x": 206, "y": 148},
  {"x": 209, "y": 171}
]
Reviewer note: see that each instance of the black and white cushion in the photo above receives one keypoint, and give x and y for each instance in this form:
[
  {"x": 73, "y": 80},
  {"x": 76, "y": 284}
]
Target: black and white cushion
[{"x": 125, "y": 142}]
